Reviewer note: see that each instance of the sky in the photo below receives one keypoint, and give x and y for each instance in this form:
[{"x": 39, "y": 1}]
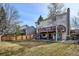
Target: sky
[{"x": 30, "y": 12}]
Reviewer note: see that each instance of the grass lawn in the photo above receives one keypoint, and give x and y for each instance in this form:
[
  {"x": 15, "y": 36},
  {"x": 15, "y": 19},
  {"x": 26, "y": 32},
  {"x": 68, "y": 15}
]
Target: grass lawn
[{"x": 38, "y": 48}]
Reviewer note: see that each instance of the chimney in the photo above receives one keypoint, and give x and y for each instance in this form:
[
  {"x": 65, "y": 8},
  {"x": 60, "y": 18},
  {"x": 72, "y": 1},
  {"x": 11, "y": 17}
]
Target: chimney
[{"x": 68, "y": 21}]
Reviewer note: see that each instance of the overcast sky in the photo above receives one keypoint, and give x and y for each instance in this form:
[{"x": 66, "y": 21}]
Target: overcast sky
[{"x": 30, "y": 12}]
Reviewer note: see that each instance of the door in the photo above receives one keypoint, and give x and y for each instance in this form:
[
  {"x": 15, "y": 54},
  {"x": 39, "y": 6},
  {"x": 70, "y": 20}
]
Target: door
[
  {"x": 50, "y": 36},
  {"x": 59, "y": 36}
]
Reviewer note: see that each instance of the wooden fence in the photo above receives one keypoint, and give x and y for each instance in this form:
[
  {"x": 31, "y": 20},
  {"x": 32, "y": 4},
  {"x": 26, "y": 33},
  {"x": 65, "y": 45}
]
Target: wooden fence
[{"x": 15, "y": 37}]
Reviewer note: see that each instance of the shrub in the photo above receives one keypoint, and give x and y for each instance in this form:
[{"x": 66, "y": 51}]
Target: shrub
[
  {"x": 68, "y": 37},
  {"x": 73, "y": 37}
]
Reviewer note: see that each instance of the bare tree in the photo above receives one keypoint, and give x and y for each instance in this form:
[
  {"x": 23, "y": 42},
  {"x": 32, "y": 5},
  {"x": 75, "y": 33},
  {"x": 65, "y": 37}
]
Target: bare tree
[
  {"x": 10, "y": 17},
  {"x": 55, "y": 8},
  {"x": 75, "y": 21},
  {"x": 2, "y": 20}
]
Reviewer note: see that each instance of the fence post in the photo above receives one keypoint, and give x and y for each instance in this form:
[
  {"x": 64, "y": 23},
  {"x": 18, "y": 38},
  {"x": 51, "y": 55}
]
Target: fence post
[
  {"x": 9, "y": 36},
  {"x": 29, "y": 37},
  {"x": 0, "y": 37},
  {"x": 21, "y": 37},
  {"x": 15, "y": 37},
  {"x": 26, "y": 37}
]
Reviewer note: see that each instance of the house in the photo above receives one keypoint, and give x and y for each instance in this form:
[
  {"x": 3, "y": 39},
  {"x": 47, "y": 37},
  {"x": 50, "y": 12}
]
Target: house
[
  {"x": 54, "y": 28},
  {"x": 28, "y": 30}
]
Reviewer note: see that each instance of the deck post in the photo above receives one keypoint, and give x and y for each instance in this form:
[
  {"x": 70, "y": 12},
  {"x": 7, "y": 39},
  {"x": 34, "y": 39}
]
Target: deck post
[
  {"x": 47, "y": 36},
  {"x": 56, "y": 32}
]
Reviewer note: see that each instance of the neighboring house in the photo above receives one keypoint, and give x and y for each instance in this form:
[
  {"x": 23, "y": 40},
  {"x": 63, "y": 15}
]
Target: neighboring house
[
  {"x": 57, "y": 28},
  {"x": 28, "y": 30}
]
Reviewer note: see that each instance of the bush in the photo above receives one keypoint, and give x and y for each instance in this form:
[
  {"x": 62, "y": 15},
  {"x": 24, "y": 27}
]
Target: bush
[
  {"x": 73, "y": 37},
  {"x": 68, "y": 37}
]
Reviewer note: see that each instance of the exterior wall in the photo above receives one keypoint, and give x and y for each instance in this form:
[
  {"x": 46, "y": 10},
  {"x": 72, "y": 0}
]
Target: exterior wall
[
  {"x": 30, "y": 30},
  {"x": 64, "y": 36},
  {"x": 62, "y": 20}
]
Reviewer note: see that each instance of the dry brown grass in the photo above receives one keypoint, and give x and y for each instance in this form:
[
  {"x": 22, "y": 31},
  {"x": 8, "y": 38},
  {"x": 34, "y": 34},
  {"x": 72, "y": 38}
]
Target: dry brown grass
[
  {"x": 54, "y": 49},
  {"x": 9, "y": 48},
  {"x": 31, "y": 48}
]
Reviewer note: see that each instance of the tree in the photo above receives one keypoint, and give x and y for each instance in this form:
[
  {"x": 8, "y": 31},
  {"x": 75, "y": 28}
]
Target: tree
[
  {"x": 55, "y": 8},
  {"x": 3, "y": 21},
  {"x": 10, "y": 16},
  {"x": 18, "y": 30},
  {"x": 40, "y": 19},
  {"x": 75, "y": 21}
]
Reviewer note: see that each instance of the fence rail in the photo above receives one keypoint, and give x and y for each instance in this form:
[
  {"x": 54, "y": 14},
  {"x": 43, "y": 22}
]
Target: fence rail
[{"x": 15, "y": 37}]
